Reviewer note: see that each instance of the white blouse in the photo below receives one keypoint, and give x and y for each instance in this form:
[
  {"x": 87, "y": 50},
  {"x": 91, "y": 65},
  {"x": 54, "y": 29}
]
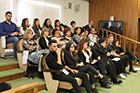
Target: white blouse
[
  {"x": 87, "y": 57},
  {"x": 22, "y": 31}
]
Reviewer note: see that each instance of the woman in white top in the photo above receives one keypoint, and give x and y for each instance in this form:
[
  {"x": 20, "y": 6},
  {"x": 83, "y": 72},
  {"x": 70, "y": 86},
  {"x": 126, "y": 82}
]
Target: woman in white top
[{"x": 25, "y": 25}]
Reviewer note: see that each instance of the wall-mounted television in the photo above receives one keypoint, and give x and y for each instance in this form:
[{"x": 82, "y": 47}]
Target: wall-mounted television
[{"x": 114, "y": 26}]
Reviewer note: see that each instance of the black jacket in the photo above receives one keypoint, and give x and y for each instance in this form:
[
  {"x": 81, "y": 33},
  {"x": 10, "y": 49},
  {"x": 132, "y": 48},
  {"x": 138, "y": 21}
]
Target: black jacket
[
  {"x": 99, "y": 50},
  {"x": 42, "y": 43},
  {"x": 82, "y": 56},
  {"x": 88, "y": 28}
]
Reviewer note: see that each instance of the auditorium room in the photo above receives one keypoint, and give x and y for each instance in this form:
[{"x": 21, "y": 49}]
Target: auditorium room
[{"x": 69, "y": 46}]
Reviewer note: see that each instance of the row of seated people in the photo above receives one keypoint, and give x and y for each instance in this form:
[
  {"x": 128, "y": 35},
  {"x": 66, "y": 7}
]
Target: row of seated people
[
  {"x": 76, "y": 64},
  {"x": 10, "y": 29}
]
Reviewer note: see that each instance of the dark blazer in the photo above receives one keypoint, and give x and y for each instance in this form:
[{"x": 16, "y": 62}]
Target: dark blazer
[
  {"x": 82, "y": 56},
  {"x": 99, "y": 50},
  {"x": 119, "y": 50},
  {"x": 70, "y": 61},
  {"x": 42, "y": 43},
  {"x": 88, "y": 28},
  {"x": 110, "y": 47},
  {"x": 36, "y": 31}
]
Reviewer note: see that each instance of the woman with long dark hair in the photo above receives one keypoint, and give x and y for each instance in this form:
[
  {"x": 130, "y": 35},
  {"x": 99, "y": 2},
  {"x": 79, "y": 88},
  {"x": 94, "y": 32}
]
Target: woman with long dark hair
[
  {"x": 36, "y": 27},
  {"x": 47, "y": 24},
  {"x": 72, "y": 60},
  {"x": 129, "y": 56},
  {"x": 24, "y": 25},
  {"x": 57, "y": 26}
]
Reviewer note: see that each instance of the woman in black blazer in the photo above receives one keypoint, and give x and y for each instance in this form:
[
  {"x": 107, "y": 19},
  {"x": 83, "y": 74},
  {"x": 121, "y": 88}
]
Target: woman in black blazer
[
  {"x": 128, "y": 55},
  {"x": 44, "y": 40},
  {"x": 73, "y": 61},
  {"x": 98, "y": 64}
]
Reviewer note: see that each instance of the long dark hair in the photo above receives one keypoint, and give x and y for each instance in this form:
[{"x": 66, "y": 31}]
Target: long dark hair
[
  {"x": 114, "y": 44},
  {"x": 67, "y": 51},
  {"x": 34, "y": 24},
  {"x": 59, "y": 25},
  {"x": 45, "y": 23},
  {"x": 23, "y": 24}
]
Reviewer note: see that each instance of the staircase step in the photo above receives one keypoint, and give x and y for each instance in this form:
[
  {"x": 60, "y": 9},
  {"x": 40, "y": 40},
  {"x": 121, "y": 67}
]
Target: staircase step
[
  {"x": 25, "y": 80},
  {"x": 44, "y": 91},
  {"x": 9, "y": 63},
  {"x": 11, "y": 74}
]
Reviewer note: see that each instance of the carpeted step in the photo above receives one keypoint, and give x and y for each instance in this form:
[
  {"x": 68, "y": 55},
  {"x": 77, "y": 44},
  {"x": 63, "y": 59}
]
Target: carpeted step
[
  {"x": 9, "y": 63},
  {"x": 25, "y": 80},
  {"x": 11, "y": 74}
]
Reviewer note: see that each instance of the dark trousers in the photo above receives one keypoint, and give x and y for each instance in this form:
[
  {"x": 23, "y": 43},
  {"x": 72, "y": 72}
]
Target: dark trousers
[
  {"x": 128, "y": 58},
  {"x": 90, "y": 70},
  {"x": 70, "y": 78},
  {"x": 100, "y": 66},
  {"x": 111, "y": 70},
  {"x": 120, "y": 65}
]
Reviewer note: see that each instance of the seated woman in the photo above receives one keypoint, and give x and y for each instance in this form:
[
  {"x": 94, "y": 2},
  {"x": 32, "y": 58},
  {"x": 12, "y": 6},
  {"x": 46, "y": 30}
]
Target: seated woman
[
  {"x": 67, "y": 38},
  {"x": 72, "y": 23},
  {"x": 128, "y": 55},
  {"x": 84, "y": 56},
  {"x": 47, "y": 24},
  {"x": 85, "y": 37},
  {"x": 36, "y": 27},
  {"x": 32, "y": 45},
  {"x": 77, "y": 38},
  {"x": 44, "y": 40},
  {"x": 55, "y": 34},
  {"x": 57, "y": 26},
  {"x": 25, "y": 25},
  {"x": 73, "y": 61}
]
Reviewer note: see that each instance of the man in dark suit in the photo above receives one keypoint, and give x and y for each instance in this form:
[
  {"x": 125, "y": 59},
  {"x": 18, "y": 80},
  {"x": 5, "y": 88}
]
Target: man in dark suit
[
  {"x": 99, "y": 52},
  {"x": 89, "y": 26}
]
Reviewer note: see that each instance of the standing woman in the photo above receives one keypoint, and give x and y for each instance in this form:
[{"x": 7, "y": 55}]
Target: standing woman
[
  {"x": 57, "y": 26},
  {"x": 36, "y": 27},
  {"x": 47, "y": 24},
  {"x": 44, "y": 40},
  {"x": 129, "y": 56},
  {"x": 25, "y": 25},
  {"x": 73, "y": 61},
  {"x": 32, "y": 45}
]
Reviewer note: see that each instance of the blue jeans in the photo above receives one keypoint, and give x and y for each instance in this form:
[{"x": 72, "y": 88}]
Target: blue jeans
[{"x": 13, "y": 40}]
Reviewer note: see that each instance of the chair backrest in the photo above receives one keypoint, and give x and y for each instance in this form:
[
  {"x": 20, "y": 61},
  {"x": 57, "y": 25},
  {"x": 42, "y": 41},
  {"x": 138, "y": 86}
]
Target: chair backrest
[
  {"x": 19, "y": 45},
  {"x": 38, "y": 39},
  {"x": 45, "y": 66},
  {"x": 63, "y": 57}
]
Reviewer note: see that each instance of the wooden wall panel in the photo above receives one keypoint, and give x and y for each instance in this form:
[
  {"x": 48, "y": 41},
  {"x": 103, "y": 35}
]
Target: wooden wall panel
[{"x": 122, "y": 10}]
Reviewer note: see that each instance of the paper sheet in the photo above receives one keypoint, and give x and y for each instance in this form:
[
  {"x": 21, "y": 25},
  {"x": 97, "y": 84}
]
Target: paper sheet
[
  {"x": 116, "y": 59},
  {"x": 65, "y": 71},
  {"x": 3, "y": 41},
  {"x": 25, "y": 56}
]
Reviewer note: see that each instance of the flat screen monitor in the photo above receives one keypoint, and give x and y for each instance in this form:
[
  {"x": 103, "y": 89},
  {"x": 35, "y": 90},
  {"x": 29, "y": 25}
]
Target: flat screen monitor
[{"x": 114, "y": 26}]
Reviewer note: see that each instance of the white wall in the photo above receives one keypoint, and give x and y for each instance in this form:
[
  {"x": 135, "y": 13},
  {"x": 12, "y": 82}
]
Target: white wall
[
  {"x": 37, "y": 8},
  {"x": 80, "y": 17}
]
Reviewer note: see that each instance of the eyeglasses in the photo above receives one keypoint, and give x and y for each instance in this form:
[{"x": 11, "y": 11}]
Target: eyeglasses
[{"x": 30, "y": 33}]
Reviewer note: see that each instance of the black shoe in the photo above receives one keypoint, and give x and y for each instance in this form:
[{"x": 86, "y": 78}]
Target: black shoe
[
  {"x": 95, "y": 90},
  {"x": 125, "y": 72},
  {"x": 109, "y": 82},
  {"x": 3, "y": 57},
  {"x": 106, "y": 86},
  {"x": 134, "y": 71},
  {"x": 118, "y": 81},
  {"x": 105, "y": 79}
]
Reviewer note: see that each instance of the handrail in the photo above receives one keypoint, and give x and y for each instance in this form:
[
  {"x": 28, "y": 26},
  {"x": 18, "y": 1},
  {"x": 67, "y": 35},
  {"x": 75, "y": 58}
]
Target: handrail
[
  {"x": 133, "y": 44},
  {"x": 29, "y": 88}
]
